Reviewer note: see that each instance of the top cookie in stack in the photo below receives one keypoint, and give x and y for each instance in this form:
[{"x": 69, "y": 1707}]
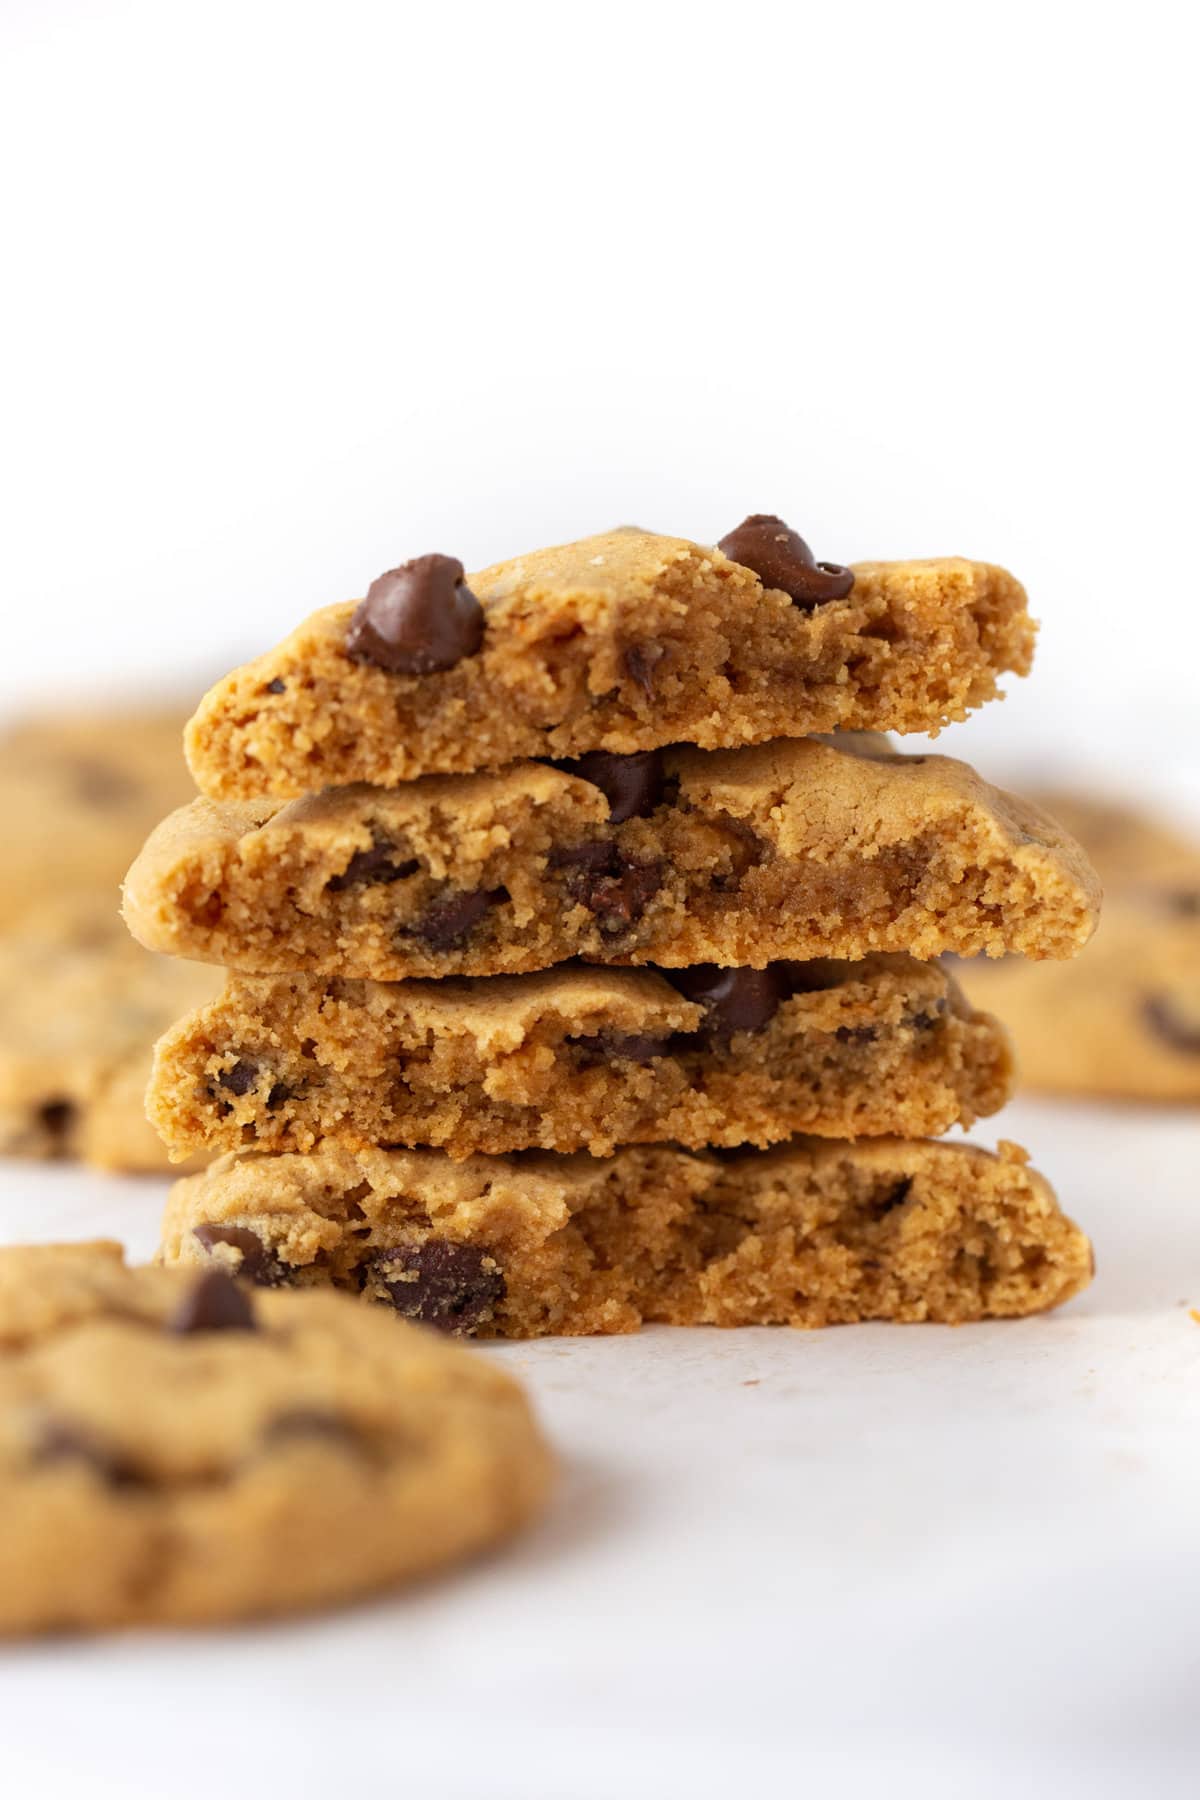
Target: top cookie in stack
[
  {"x": 684, "y": 817},
  {"x": 623, "y": 642}
]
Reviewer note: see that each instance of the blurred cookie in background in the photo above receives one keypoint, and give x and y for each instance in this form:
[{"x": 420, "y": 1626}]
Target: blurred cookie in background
[
  {"x": 81, "y": 1004},
  {"x": 79, "y": 792},
  {"x": 1124, "y": 1019}
]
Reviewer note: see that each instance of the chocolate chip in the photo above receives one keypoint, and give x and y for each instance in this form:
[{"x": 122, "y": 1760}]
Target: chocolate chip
[
  {"x": 931, "y": 1015},
  {"x": 241, "y": 1078},
  {"x": 449, "y": 921},
  {"x": 856, "y": 1034},
  {"x": 56, "y": 1118},
  {"x": 375, "y": 867},
  {"x": 780, "y": 558},
  {"x": 278, "y": 686},
  {"x": 1186, "y": 903},
  {"x": 96, "y": 784},
  {"x": 417, "y": 619},
  {"x": 641, "y": 660},
  {"x": 258, "y": 1264},
  {"x": 279, "y": 1093},
  {"x": 453, "y": 1287},
  {"x": 632, "y": 785},
  {"x": 214, "y": 1303},
  {"x": 733, "y": 999},
  {"x": 1166, "y": 1021},
  {"x": 618, "y": 1046},
  {"x": 894, "y": 1197},
  {"x": 63, "y": 1441},
  {"x": 614, "y": 887}
]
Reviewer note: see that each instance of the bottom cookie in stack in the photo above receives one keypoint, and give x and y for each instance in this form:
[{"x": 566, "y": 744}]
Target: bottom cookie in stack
[{"x": 816, "y": 1232}]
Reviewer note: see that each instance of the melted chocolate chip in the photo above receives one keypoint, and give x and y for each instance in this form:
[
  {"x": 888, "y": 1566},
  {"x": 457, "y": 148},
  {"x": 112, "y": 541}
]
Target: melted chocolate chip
[
  {"x": 56, "y": 1118},
  {"x": 780, "y": 558},
  {"x": 1168, "y": 1023},
  {"x": 258, "y": 1264},
  {"x": 632, "y": 785},
  {"x": 448, "y": 922},
  {"x": 618, "y": 1046},
  {"x": 63, "y": 1441},
  {"x": 733, "y": 999},
  {"x": 895, "y": 1196},
  {"x": 453, "y": 1287},
  {"x": 214, "y": 1303},
  {"x": 375, "y": 867},
  {"x": 614, "y": 887},
  {"x": 278, "y": 686},
  {"x": 417, "y": 619},
  {"x": 641, "y": 660},
  {"x": 240, "y": 1079}
]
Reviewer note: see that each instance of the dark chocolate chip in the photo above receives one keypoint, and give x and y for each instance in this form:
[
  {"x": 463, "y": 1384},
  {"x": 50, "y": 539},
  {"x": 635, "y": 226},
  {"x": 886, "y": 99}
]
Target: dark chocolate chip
[
  {"x": 241, "y": 1078},
  {"x": 641, "y": 661},
  {"x": 780, "y": 558},
  {"x": 258, "y": 1264},
  {"x": 733, "y": 999},
  {"x": 856, "y": 1034},
  {"x": 931, "y": 1015},
  {"x": 632, "y": 785},
  {"x": 449, "y": 921},
  {"x": 63, "y": 1441},
  {"x": 278, "y": 686},
  {"x": 895, "y": 1196},
  {"x": 375, "y": 867},
  {"x": 56, "y": 1117},
  {"x": 280, "y": 1092},
  {"x": 1168, "y": 1023},
  {"x": 615, "y": 888},
  {"x": 417, "y": 619},
  {"x": 214, "y": 1303},
  {"x": 453, "y": 1287},
  {"x": 618, "y": 1046}
]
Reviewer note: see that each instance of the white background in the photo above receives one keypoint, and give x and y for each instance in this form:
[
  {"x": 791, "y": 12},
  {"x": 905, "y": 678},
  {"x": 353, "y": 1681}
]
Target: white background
[{"x": 291, "y": 292}]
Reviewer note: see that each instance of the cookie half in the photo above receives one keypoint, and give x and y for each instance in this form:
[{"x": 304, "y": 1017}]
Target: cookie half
[
  {"x": 622, "y": 642},
  {"x": 814, "y": 1233},
  {"x": 177, "y": 1449},
  {"x": 580, "y": 1058},
  {"x": 794, "y": 849}
]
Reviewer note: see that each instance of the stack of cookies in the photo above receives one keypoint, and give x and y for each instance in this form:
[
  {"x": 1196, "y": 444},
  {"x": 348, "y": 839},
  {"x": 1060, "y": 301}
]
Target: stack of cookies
[{"x": 582, "y": 937}]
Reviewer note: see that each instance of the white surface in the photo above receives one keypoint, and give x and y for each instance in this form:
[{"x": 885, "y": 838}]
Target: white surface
[
  {"x": 902, "y": 1560},
  {"x": 298, "y": 290}
]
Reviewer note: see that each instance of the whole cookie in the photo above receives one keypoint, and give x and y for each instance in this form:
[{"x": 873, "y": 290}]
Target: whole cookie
[{"x": 176, "y": 1449}]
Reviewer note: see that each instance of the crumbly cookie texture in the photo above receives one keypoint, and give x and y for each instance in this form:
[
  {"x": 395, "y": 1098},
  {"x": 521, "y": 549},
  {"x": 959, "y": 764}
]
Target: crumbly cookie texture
[
  {"x": 78, "y": 793},
  {"x": 579, "y": 1058},
  {"x": 1125, "y": 1022},
  {"x": 81, "y": 1006},
  {"x": 621, "y": 642},
  {"x": 815, "y": 1233},
  {"x": 175, "y": 1449},
  {"x": 794, "y": 849}
]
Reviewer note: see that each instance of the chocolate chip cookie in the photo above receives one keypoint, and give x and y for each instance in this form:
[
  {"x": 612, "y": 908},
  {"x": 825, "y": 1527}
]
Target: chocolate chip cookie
[
  {"x": 623, "y": 642},
  {"x": 793, "y": 849},
  {"x": 78, "y": 793},
  {"x": 1125, "y": 1021},
  {"x": 177, "y": 1448},
  {"x": 580, "y": 1058},
  {"x": 814, "y": 1233},
  {"x": 81, "y": 1006}
]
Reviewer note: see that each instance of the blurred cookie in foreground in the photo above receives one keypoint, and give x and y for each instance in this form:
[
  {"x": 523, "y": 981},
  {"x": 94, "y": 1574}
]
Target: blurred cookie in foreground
[
  {"x": 81, "y": 1006},
  {"x": 177, "y": 1450},
  {"x": 78, "y": 793},
  {"x": 1124, "y": 1020}
]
